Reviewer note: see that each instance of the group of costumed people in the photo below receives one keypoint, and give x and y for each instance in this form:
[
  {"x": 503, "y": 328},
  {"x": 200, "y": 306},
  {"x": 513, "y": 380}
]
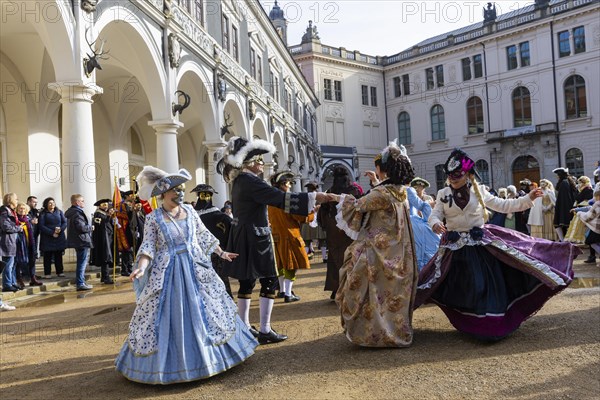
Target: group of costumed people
[{"x": 186, "y": 326}]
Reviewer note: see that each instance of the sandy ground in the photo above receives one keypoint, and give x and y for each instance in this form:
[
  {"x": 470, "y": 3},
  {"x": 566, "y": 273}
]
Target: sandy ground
[{"x": 63, "y": 346}]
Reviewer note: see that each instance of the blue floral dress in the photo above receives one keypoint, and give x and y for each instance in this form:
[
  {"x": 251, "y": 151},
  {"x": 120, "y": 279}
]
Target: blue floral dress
[
  {"x": 426, "y": 241},
  {"x": 185, "y": 326}
]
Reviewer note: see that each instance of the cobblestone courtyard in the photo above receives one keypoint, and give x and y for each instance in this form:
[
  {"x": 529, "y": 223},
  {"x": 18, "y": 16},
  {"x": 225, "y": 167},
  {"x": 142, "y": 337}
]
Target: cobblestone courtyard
[{"x": 62, "y": 345}]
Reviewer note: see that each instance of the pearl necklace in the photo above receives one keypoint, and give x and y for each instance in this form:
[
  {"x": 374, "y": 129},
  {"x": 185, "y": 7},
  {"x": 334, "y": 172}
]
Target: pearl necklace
[{"x": 176, "y": 216}]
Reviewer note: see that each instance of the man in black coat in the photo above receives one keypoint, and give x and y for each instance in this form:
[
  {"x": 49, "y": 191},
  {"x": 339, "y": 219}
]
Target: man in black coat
[
  {"x": 217, "y": 222},
  {"x": 79, "y": 237},
  {"x": 566, "y": 192},
  {"x": 102, "y": 238},
  {"x": 250, "y": 234}
]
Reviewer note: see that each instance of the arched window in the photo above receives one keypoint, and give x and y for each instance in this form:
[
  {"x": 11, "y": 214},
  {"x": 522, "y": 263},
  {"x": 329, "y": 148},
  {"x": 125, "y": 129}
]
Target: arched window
[
  {"x": 521, "y": 107},
  {"x": 475, "y": 115},
  {"x": 404, "y": 128},
  {"x": 574, "y": 161},
  {"x": 575, "y": 100},
  {"x": 440, "y": 177},
  {"x": 438, "y": 123},
  {"x": 484, "y": 172}
]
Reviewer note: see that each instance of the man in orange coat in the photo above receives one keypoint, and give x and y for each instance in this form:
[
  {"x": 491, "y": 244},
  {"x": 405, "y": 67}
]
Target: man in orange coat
[{"x": 289, "y": 246}]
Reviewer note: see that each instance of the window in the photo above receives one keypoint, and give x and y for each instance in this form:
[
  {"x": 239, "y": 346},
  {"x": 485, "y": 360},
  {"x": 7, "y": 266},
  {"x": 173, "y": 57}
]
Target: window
[
  {"x": 511, "y": 57},
  {"x": 235, "y": 45},
  {"x": 276, "y": 88},
  {"x": 259, "y": 76},
  {"x": 484, "y": 171},
  {"x": 406, "y": 84},
  {"x": 579, "y": 39},
  {"x": 521, "y": 107},
  {"x": 373, "y": 96},
  {"x": 338, "y": 90},
  {"x": 525, "y": 56},
  {"x": 575, "y": 99},
  {"x": 289, "y": 103},
  {"x": 438, "y": 123},
  {"x": 365, "y": 95},
  {"x": 225, "y": 28},
  {"x": 466, "y": 69},
  {"x": 253, "y": 63},
  {"x": 439, "y": 74},
  {"x": 574, "y": 161},
  {"x": 478, "y": 65},
  {"x": 429, "y": 75},
  {"x": 440, "y": 177},
  {"x": 397, "y": 87},
  {"x": 404, "y": 128},
  {"x": 286, "y": 105},
  {"x": 475, "y": 115},
  {"x": 271, "y": 84},
  {"x": 328, "y": 92},
  {"x": 564, "y": 44},
  {"x": 198, "y": 13}
]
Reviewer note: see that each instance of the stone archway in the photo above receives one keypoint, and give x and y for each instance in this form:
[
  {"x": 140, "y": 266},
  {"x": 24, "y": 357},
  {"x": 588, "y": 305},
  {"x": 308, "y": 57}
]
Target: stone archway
[
  {"x": 327, "y": 178},
  {"x": 525, "y": 167}
]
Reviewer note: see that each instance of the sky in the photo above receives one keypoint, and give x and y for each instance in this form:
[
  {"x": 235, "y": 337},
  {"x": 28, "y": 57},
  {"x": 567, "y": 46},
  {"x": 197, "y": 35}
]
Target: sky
[{"x": 381, "y": 27}]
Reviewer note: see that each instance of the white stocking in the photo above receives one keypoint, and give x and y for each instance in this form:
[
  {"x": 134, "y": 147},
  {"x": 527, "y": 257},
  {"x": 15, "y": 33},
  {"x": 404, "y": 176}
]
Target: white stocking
[
  {"x": 244, "y": 310},
  {"x": 288, "y": 287},
  {"x": 266, "y": 307}
]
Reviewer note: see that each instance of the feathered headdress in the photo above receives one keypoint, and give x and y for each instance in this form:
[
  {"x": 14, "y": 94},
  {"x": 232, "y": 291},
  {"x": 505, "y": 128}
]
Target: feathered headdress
[
  {"x": 459, "y": 161},
  {"x": 154, "y": 181},
  {"x": 239, "y": 151},
  {"x": 393, "y": 149}
]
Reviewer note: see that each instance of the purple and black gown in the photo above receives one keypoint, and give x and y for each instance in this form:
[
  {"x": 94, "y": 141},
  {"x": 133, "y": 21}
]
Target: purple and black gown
[{"x": 487, "y": 279}]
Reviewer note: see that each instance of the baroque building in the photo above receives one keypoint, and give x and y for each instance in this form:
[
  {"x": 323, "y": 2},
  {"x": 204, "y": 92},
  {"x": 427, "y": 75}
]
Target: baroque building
[
  {"x": 518, "y": 92},
  {"x": 93, "y": 90}
]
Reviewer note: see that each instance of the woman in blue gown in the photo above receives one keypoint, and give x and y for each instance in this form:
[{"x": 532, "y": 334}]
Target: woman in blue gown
[
  {"x": 185, "y": 326},
  {"x": 426, "y": 241}
]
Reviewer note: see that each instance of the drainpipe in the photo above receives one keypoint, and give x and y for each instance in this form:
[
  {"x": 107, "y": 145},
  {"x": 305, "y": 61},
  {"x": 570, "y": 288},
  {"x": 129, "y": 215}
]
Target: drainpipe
[
  {"x": 555, "y": 94},
  {"x": 487, "y": 95},
  {"x": 492, "y": 171},
  {"x": 387, "y": 131}
]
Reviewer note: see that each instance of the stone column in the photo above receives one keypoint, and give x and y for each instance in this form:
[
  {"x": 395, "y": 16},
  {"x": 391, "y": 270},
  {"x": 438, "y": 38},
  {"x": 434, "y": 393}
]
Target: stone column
[
  {"x": 79, "y": 169},
  {"x": 213, "y": 178},
  {"x": 167, "y": 156}
]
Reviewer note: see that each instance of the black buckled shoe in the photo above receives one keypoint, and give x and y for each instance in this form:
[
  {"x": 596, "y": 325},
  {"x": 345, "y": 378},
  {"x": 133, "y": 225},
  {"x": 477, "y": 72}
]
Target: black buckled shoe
[
  {"x": 292, "y": 298},
  {"x": 254, "y": 331},
  {"x": 590, "y": 260},
  {"x": 271, "y": 337},
  {"x": 280, "y": 295}
]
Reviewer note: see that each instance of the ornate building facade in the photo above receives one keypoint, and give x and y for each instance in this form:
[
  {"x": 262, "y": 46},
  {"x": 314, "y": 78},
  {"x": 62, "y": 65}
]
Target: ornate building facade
[
  {"x": 93, "y": 90},
  {"x": 518, "y": 92}
]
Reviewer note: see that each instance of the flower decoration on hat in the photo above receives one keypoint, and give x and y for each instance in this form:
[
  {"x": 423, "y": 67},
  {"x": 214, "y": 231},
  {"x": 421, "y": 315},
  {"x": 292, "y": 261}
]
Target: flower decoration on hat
[{"x": 460, "y": 164}]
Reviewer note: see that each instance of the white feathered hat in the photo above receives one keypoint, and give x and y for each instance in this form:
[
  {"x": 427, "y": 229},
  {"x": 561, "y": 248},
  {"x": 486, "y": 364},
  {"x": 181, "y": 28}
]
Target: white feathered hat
[
  {"x": 239, "y": 151},
  {"x": 154, "y": 181}
]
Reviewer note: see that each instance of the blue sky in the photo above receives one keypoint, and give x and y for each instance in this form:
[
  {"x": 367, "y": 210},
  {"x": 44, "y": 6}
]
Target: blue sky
[{"x": 381, "y": 27}]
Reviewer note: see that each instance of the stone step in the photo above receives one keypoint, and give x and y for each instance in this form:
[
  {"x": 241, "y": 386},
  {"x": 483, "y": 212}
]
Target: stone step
[{"x": 92, "y": 277}]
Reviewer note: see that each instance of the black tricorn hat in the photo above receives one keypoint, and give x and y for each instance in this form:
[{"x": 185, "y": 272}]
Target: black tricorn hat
[
  {"x": 127, "y": 193},
  {"x": 282, "y": 177},
  {"x": 204, "y": 188},
  {"x": 101, "y": 201},
  {"x": 459, "y": 161}
]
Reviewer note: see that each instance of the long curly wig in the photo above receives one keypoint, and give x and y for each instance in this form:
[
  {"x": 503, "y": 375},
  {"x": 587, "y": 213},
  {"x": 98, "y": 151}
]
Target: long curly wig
[{"x": 396, "y": 164}]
